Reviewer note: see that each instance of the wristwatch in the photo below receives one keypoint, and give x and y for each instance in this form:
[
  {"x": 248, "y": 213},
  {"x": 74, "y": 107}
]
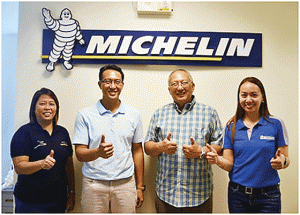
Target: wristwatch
[{"x": 202, "y": 156}]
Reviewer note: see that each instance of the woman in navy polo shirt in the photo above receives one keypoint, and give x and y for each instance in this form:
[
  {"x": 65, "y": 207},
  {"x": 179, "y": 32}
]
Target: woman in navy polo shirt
[
  {"x": 42, "y": 155},
  {"x": 255, "y": 147}
]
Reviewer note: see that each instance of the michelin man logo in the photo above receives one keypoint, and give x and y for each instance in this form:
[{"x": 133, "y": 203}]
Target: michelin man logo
[{"x": 67, "y": 30}]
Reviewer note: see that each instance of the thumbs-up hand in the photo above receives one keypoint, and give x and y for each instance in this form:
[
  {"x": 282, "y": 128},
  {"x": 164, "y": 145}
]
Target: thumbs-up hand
[
  {"x": 49, "y": 161},
  {"x": 105, "y": 150},
  {"x": 192, "y": 151},
  {"x": 277, "y": 163},
  {"x": 212, "y": 155},
  {"x": 168, "y": 146}
]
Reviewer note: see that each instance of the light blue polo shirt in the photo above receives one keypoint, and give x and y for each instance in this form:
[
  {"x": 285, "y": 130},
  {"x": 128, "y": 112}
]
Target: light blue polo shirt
[
  {"x": 252, "y": 167},
  {"x": 122, "y": 128}
]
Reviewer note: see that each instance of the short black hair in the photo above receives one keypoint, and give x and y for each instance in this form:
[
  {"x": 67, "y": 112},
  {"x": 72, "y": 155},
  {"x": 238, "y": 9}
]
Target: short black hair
[
  {"x": 113, "y": 67},
  {"x": 34, "y": 100}
]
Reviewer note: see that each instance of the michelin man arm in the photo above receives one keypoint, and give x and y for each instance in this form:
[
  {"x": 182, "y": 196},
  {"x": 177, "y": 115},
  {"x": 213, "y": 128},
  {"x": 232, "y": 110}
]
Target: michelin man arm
[{"x": 49, "y": 21}]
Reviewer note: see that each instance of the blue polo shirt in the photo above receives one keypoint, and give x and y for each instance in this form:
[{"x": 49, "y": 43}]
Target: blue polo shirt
[
  {"x": 252, "y": 167},
  {"x": 122, "y": 128},
  {"x": 43, "y": 186}
]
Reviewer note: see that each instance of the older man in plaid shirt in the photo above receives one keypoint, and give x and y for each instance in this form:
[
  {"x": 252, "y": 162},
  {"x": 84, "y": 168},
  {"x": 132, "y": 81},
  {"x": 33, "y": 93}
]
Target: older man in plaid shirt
[{"x": 177, "y": 135}]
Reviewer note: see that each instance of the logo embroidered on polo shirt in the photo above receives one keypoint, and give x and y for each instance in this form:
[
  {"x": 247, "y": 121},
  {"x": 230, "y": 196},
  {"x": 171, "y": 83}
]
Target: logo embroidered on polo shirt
[
  {"x": 41, "y": 143},
  {"x": 262, "y": 137},
  {"x": 63, "y": 143}
]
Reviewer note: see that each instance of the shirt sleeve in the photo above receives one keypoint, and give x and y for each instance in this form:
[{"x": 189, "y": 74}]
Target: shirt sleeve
[
  {"x": 216, "y": 129},
  {"x": 69, "y": 142},
  {"x": 20, "y": 144},
  {"x": 80, "y": 131},
  {"x": 227, "y": 138},
  {"x": 151, "y": 133},
  {"x": 138, "y": 134},
  {"x": 282, "y": 134}
]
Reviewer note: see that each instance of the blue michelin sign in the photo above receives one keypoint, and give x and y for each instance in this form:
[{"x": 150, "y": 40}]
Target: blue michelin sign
[{"x": 158, "y": 48}]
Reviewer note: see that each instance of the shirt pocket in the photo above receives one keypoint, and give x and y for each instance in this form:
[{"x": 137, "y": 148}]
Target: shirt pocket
[
  {"x": 201, "y": 136},
  {"x": 162, "y": 130}
]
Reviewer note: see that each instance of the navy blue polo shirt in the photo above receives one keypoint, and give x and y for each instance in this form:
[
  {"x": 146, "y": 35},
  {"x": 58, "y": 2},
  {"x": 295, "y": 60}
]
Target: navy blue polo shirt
[
  {"x": 45, "y": 185},
  {"x": 252, "y": 167}
]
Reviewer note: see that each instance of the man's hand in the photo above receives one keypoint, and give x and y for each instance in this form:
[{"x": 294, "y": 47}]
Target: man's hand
[
  {"x": 105, "y": 150},
  {"x": 49, "y": 161},
  {"x": 277, "y": 163},
  {"x": 169, "y": 147},
  {"x": 193, "y": 150},
  {"x": 140, "y": 198}
]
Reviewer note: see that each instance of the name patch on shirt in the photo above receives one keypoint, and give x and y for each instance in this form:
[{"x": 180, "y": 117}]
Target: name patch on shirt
[{"x": 262, "y": 137}]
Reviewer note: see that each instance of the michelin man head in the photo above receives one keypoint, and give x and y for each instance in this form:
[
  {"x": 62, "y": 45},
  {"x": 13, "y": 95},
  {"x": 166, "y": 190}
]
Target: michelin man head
[{"x": 66, "y": 14}]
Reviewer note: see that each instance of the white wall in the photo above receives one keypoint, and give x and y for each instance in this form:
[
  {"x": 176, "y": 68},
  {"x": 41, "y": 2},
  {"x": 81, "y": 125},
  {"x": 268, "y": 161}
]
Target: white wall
[
  {"x": 146, "y": 85},
  {"x": 10, "y": 12}
]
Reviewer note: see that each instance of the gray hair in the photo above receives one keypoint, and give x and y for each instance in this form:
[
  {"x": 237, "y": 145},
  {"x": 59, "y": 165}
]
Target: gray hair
[{"x": 189, "y": 74}]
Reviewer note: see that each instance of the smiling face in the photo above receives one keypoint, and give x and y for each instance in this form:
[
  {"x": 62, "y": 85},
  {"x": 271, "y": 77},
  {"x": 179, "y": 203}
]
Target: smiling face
[
  {"x": 181, "y": 88},
  {"x": 250, "y": 98},
  {"x": 66, "y": 14},
  {"x": 45, "y": 109},
  {"x": 111, "y": 84}
]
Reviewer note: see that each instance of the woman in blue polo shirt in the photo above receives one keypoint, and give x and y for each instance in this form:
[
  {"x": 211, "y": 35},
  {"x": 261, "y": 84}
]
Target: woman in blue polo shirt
[
  {"x": 255, "y": 147},
  {"x": 42, "y": 155}
]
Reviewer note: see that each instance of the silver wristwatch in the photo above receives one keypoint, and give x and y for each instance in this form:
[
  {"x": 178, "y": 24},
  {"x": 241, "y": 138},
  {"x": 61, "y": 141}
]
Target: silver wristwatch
[{"x": 202, "y": 156}]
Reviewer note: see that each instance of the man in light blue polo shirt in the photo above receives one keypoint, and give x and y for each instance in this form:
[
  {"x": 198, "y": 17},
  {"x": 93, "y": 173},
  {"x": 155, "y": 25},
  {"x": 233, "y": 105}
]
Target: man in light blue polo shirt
[{"x": 108, "y": 140}]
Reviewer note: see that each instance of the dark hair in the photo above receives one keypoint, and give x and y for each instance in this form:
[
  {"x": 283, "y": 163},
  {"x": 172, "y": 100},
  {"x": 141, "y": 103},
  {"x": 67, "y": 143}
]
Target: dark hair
[
  {"x": 113, "y": 67},
  {"x": 240, "y": 112},
  {"x": 34, "y": 100}
]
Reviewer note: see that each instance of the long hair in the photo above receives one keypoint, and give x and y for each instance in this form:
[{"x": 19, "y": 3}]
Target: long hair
[
  {"x": 240, "y": 112},
  {"x": 34, "y": 100}
]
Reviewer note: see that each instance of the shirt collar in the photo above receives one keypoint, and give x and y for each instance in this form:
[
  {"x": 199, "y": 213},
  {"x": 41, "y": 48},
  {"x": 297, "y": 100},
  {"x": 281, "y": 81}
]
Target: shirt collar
[
  {"x": 102, "y": 110},
  {"x": 188, "y": 106},
  {"x": 240, "y": 124},
  {"x": 37, "y": 126}
]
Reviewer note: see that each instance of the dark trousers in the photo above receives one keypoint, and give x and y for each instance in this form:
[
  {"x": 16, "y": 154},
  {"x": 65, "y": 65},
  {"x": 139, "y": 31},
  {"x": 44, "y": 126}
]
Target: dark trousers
[
  {"x": 262, "y": 201},
  {"x": 26, "y": 207},
  {"x": 163, "y": 207}
]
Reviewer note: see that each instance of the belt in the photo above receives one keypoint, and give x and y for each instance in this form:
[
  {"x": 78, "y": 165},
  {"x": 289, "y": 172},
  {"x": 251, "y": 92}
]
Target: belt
[{"x": 249, "y": 190}]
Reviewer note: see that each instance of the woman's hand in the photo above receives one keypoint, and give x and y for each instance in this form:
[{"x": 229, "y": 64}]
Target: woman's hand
[
  {"x": 49, "y": 161},
  {"x": 70, "y": 202},
  {"x": 212, "y": 156},
  {"x": 277, "y": 163}
]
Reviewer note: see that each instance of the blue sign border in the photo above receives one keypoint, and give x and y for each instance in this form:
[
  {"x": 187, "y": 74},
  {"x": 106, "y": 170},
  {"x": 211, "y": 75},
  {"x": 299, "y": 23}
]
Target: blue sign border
[{"x": 253, "y": 60}]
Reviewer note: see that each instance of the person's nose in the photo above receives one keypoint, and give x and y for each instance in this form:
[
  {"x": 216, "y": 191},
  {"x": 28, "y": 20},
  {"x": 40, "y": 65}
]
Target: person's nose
[
  {"x": 47, "y": 106},
  {"x": 113, "y": 85},
  {"x": 248, "y": 98},
  {"x": 180, "y": 86}
]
